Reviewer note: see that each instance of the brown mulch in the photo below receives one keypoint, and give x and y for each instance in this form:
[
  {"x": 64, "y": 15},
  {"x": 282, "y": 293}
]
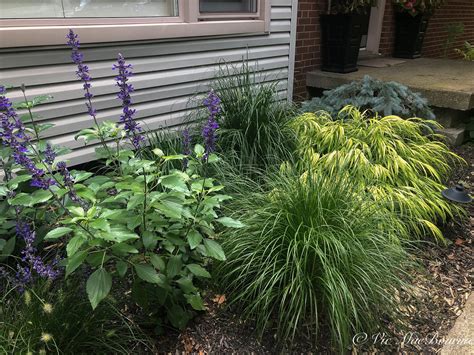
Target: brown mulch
[{"x": 442, "y": 286}]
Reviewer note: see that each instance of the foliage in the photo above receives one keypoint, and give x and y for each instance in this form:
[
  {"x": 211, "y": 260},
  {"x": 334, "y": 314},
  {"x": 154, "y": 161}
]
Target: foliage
[
  {"x": 387, "y": 98},
  {"x": 252, "y": 121},
  {"x": 400, "y": 161},
  {"x": 415, "y": 7},
  {"x": 454, "y": 30},
  {"x": 138, "y": 225},
  {"x": 467, "y": 51},
  {"x": 350, "y": 6},
  {"x": 48, "y": 319},
  {"x": 315, "y": 252}
]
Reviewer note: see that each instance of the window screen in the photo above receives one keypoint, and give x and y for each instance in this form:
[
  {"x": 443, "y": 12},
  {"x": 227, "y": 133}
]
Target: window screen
[
  {"x": 228, "y": 6},
  {"x": 86, "y": 8}
]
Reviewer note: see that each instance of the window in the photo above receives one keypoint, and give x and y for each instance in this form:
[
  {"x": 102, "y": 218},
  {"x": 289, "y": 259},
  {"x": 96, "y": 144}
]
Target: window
[
  {"x": 15, "y": 9},
  {"x": 45, "y": 22},
  {"x": 244, "y": 6}
]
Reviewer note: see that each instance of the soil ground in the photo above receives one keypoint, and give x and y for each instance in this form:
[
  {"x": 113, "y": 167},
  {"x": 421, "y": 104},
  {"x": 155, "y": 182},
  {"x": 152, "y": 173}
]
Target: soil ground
[{"x": 443, "y": 285}]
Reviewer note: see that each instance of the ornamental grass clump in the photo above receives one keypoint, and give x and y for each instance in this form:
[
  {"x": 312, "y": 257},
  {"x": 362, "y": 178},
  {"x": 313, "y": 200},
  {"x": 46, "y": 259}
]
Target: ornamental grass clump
[
  {"x": 315, "y": 253},
  {"x": 402, "y": 162}
]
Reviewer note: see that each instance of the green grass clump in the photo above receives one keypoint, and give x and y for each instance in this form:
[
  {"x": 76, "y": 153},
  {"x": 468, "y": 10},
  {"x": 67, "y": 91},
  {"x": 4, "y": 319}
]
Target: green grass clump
[
  {"x": 315, "y": 251},
  {"x": 253, "y": 130},
  {"x": 402, "y": 162},
  {"x": 53, "y": 319}
]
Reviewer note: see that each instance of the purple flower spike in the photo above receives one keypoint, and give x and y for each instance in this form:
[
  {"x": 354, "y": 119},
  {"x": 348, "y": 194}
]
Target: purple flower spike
[
  {"x": 69, "y": 183},
  {"x": 49, "y": 154},
  {"x": 82, "y": 71},
  {"x": 132, "y": 128},
  {"x": 29, "y": 257},
  {"x": 186, "y": 146},
  {"x": 13, "y": 135},
  {"x": 212, "y": 103}
]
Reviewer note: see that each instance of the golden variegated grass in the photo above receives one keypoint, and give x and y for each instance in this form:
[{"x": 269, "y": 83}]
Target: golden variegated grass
[{"x": 400, "y": 161}]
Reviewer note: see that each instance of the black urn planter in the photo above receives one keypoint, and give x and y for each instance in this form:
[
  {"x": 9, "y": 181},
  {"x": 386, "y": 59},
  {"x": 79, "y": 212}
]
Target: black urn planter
[
  {"x": 340, "y": 41},
  {"x": 409, "y": 35}
]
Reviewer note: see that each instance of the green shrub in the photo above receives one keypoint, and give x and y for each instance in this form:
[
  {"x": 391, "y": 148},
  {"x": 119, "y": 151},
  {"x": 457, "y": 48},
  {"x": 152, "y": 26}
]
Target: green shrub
[
  {"x": 401, "y": 161},
  {"x": 60, "y": 320},
  {"x": 252, "y": 122},
  {"x": 377, "y": 96},
  {"x": 315, "y": 252},
  {"x": 467, "y": 51}
]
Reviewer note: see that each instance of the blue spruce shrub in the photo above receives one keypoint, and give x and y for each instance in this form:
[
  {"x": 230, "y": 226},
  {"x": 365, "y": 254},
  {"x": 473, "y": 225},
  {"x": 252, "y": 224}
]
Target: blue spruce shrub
[{"x": 384, "y": 98}]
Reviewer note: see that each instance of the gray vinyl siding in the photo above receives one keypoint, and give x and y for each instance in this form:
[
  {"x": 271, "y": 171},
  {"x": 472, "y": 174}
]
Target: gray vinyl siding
[{"x": 168, "y": 73}]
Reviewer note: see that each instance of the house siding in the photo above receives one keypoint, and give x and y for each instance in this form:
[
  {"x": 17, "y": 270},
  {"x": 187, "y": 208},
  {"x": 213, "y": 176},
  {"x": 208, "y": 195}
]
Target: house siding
[{"x": 168, "y": 74}]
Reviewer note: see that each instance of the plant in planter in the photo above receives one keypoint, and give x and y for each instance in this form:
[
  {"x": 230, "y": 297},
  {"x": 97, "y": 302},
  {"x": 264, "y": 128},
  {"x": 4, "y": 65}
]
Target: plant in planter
[
  {"x": 341, "y": 33},
  {"x": 411, "y": 22}
]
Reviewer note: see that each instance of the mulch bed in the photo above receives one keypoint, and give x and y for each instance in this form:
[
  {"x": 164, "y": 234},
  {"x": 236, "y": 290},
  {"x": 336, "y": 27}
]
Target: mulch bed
[{"x": 442, "y": 286}]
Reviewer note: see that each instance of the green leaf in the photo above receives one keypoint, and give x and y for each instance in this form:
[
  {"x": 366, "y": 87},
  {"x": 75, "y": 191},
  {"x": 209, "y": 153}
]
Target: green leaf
[
  {"x": 158, "y": 152},
  {"x": 174, "y": 266},
  {"x": 174, "y": 182},
  {"x": 3, "y": 190},
  {"x": 196, "y": 302},
  {"x": 158, "y": 262},
  {"x": 124, "y": 248},
  {"x": 149, "y": 240},
  {"x": 76, "y": 211},
  {"x": 2, "y": 244},
  {"x": 100, "y": 223},
  {"x": 58, "y": 232},
  {"x": 199, "y": 150},
  {"x": 186, "y": 284},
  {"x": 135, "y": 200},
  {"x": 13, "y": 183},
  {"x": 178, "y": 316},
  {"x": 40, "y": 196},
  {"x": 230, "y": 222},
  {"x": 98, "y": 286},
  {"x": 214, "y": 250},
  {"x": 198, "y": 271},
  {"x": 194, "y": 238},
  {"x": 118, "y": 234},
  {"x": 147, "y": 273},
  {"x": 171, "y": 209},
  {"x": 74, "y": 245},
  {"x": 8, "y": 248},
  {"x": 20, "y": 199},
  {"x": 122, "y": 267},
  {"x": 75, "y": 261}
]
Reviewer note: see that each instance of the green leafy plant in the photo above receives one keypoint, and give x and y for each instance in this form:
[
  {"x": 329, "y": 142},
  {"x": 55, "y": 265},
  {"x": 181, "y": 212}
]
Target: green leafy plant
[
  {"x": 401, "y": 161},
  {"x": 315, "y": 252},
  {"x": 140, "y": 226},
  {"x": 51, "y": 319},
  {"x": 467, "y": 52},
  {"x": 377, "y": 96},
  {"x": 252, "y": 121}
]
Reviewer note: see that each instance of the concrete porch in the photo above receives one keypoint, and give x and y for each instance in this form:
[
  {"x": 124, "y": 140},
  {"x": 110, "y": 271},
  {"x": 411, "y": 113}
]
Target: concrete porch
[{"x": 447, "y": 84}]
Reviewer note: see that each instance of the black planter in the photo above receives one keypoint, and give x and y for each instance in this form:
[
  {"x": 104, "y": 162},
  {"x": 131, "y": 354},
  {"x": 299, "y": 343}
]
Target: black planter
[
  {"x": 340, "y": 41},
  {"x": 409, "y": 35}
]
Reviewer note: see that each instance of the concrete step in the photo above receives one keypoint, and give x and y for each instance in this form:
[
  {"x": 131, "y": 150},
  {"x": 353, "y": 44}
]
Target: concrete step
[{"x": 454, "y": 136}]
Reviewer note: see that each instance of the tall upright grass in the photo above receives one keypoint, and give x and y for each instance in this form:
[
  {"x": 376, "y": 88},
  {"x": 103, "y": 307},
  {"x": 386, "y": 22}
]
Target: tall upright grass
[
  {"x": 253, "y": 129},
  {"x": 402, "y": 162},
  {"x": 315, "y": 251}
]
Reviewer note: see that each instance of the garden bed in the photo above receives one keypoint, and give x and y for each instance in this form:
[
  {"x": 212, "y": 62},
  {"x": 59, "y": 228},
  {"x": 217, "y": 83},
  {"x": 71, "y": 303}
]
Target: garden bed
[{"x": 443, "y": 286}]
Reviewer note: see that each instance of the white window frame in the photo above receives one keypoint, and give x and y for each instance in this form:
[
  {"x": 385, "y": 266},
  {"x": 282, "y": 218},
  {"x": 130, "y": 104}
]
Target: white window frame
[{"x": 190, "y": 23}]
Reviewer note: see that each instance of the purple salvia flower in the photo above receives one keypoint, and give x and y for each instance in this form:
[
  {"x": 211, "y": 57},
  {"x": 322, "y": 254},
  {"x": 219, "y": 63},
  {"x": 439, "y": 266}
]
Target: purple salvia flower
[
  {"x": 13, "y": 135},
  {"x": 186, "y": 146},
  {"x": 49, "y": 154},
  {"x": 29, "y": 257},
  {"x": 132, "y": 128},
  {"x": 212, "y": 103},
  {"x": 69, "y": 183}
]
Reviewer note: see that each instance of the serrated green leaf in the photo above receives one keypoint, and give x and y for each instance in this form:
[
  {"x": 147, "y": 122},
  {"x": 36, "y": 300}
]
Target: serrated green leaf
[
  {"x": 147, "y": 273},
  {"x": 174, "y": 265},
  {"x": 122, "y": 267},
  {"x": 158, "y": 262},
  {"x": 74, "y": 244},
  {"x": 75, "y": 261},
  {"x": 194, "y": 238},
  {"x": 198, "y": 271},
  {"x": 230, "y": 222},
  {"x": 214, "y": 250}
]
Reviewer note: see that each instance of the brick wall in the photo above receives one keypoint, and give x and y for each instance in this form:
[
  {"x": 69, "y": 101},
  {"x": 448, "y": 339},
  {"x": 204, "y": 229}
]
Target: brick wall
[
  {"x": 307, "y": 55},
  {"x": 453, "y": 11}
]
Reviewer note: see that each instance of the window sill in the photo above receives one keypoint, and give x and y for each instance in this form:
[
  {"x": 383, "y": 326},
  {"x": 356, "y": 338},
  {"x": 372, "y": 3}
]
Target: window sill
[{"x": 55, "y": 35}]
